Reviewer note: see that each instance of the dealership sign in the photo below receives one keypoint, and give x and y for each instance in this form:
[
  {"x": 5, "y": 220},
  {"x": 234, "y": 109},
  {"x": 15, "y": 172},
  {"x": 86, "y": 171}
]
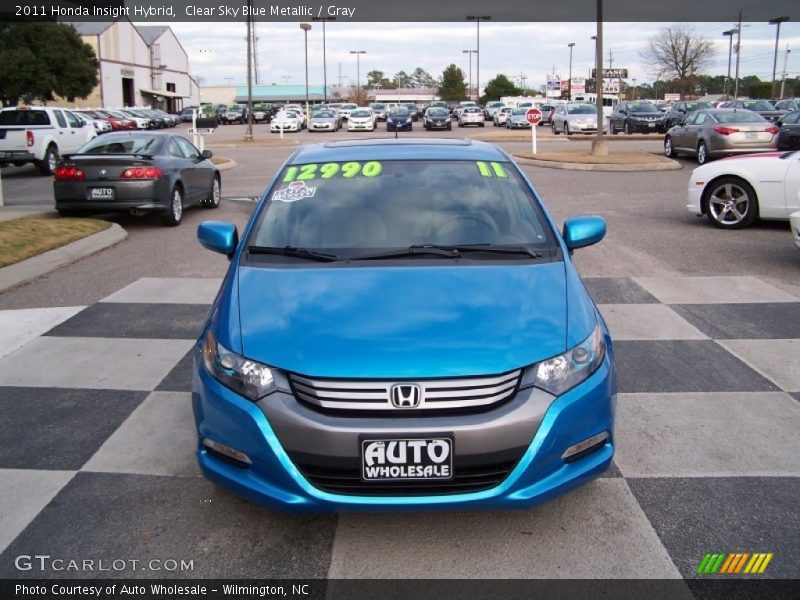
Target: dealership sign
[{"x": 612, "y": 73}]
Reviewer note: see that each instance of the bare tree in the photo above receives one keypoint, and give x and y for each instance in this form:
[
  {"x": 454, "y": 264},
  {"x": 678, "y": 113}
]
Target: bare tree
[{"x": 678, "y": 51}]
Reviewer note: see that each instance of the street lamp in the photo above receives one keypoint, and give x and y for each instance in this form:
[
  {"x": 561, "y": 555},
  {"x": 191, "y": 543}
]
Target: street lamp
[
  {"x": 569, "y": 83},
  {"x": 324, "y": 56},
  {"x": 358, "y": 54},
  {"x": 729, "y": 34},
  {"x": 777, "y": 21},
  {"x": 305, "y": 27},
  {"x": 478, "y": 20},
  {"x": 470, "y": 52}
]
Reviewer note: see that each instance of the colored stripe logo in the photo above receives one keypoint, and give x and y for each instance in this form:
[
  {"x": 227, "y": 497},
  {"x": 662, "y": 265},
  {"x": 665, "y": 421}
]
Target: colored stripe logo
[{"x": 734, "y": 563}]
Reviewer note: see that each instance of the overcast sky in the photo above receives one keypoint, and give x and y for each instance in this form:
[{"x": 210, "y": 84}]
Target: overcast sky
[{"x": 217, "y": 51}]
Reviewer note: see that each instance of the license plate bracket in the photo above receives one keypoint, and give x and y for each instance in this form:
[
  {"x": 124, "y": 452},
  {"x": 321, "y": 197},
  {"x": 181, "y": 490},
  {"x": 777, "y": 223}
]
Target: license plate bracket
[
  {"x": 100, "y": 193},
  {"x": 423, "y": 458}
]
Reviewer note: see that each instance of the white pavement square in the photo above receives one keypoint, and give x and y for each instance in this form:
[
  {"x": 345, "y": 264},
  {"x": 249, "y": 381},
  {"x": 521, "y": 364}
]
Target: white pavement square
[
  {"x": 778, "y": 360},
  {"x": 713, "y": 290},
  {"x": 95, "y": 363},
  {"x": 647, "y": 322},
  {"x": 173, "y": 290},
  {"x": 708, "y": 435},
  {"x": 23, "y": 493},
  {"x": 159, "y": 438},
  {"x": 18, "y": 327},
  {"x": 571, "y": 537}
]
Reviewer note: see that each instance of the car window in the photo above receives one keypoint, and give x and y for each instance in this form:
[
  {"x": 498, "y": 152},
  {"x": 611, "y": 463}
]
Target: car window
[
  {"x": 791, "y": 118},
  {"x": 740, "y": 116},
  {"x": 643, "y": 107},
  {"x": 360, "y": 113},
  {"x": 24, "y": 117},
  {"x": 757, "y": 105},
  {"x": 437, "y": 112},
  {"x": 700, "y": 119},
  {"x": 60, "y": 118},
  {"x": 324, "y": 114},
  {"x": 581, "y": 109},
  {"x": 398, "y": 203},
  {"x": 690, "y": 118},
  {"x": 189, "y": 151},
  {"x": 128, "y": 144},
  {"x": 174, "y": 149},
  {"x": 72, "y": 119},
  {"x": 398, "y": 112}
]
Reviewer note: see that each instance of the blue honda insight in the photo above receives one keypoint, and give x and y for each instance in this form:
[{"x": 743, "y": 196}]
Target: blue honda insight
[{"x": 402, "y": 327}]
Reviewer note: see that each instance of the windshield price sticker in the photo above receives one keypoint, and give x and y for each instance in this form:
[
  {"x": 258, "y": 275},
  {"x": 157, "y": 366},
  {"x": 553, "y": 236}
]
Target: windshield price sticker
[
  {"x": 496, "y": 170},
  {"x": 347, "y": 170},
  {"x": 297, "y": 190}
]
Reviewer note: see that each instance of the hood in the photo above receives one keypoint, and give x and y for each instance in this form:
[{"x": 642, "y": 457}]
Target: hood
[
  {"x": 647, "y": 115},
  {"x": 397, "y": 322}
]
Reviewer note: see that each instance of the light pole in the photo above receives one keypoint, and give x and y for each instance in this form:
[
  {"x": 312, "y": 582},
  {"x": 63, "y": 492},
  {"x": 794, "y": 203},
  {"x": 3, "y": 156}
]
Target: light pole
[
  {"x": 305, "y": 27},
  {"x": 569, "y": 83},
  {"x": 785, "y": 64},
  {"x": 729, "y": 34},
  {"x": 634, "y": 87},
  {"x": 358, "y": 54},
  {"x": 777, "y": 21},
  {"x": 470, "y": 52},
  {"x": 478, "y": 20},
  {"x": 738, "y": 54},
  {"x": 324, "y": 56},
  {"x": 599, "y": 144}
]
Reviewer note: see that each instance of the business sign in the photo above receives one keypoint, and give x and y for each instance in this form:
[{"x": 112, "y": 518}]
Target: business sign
[
  {"x": 611, "y": 73},
  {"x": 578, "y": 85},
  {"x": 611, "y": 87},
  {"x": 553, "y": 86},
  {"x": 672, "y": 97}
]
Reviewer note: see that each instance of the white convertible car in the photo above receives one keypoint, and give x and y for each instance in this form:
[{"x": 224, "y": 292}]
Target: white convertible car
[{"x": 735, "y": 191}]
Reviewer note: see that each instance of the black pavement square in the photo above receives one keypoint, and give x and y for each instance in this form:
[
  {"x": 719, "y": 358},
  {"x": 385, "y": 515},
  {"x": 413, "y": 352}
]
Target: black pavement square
[
  {"x": 146, "y": 321},
  {"x": 683, "y": 366},
  {"x": 617, "y": 290},
  {"x": 796, "y": 396},
  {"x": 758, "y": 321},
  {"x": 696, "y": 515},
  {"x": 49, "y": 428},
  {"x": 138, "y": 517},
  {"x": 180, "y": 378}
]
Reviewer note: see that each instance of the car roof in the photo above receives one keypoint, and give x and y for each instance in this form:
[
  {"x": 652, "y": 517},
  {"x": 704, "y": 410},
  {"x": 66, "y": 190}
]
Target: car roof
[{"x": 398, "y": 149}]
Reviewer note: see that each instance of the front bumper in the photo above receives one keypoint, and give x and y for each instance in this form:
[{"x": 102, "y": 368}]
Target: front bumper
[
  {"x": 271, "y": 432},
  {"x": 518, "y": 124},
  {"x": 360, "y": 126},
  {"x": 399, "y": 126},
  {"x": 647, "y": 126},
  {"x": 438, "y": 124}
]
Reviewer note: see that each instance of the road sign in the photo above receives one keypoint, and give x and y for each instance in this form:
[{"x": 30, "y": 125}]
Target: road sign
[
  {"x": 611, "y": 73},
  {"x": 533, "y": 115}
]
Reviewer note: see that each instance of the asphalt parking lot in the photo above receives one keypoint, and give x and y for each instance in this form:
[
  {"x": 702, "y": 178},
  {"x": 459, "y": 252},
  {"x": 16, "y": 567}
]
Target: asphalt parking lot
[{"x": 100, "y": 439}]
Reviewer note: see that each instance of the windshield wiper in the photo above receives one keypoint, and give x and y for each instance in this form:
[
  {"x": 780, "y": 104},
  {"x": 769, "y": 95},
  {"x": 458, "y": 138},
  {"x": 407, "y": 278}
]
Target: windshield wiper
[
  {"x": 451, "y": 251},
  {"x": 293, "y": 251}
]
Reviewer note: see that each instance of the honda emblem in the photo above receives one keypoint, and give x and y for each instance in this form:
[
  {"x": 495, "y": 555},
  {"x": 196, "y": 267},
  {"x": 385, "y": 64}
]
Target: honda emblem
[{"x": 405, "y": 395}]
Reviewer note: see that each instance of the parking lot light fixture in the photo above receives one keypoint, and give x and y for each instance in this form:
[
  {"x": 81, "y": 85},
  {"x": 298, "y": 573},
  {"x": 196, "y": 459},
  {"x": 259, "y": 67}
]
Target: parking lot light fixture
[
  {"x": 358, "y": 54},
  {"x": 478, "y": 20},
  {"x": 305, "y": 27},
  {"x": 470, "y": 52},
  {"x": 729, "y": 35},
  {"x": 777, "y": 21},
  {"x": 324, "y": 57}
]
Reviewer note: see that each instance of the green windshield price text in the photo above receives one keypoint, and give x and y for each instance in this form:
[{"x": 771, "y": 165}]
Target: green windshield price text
[
  {"x": 347, "y": 170},
  {"x": 497, "y": 168}
]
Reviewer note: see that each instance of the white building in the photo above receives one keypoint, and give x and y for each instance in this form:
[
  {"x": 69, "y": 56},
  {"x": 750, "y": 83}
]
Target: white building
[{"x": 139, "y": 66}]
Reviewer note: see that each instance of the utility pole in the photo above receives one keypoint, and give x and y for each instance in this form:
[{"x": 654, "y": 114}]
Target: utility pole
[
  {"x": 248, "y": 135},
  {"x": 738, "y": 54},
  {"x": 470, "y": 52},
  {"x": 358, "y": 54},
  {"x": 785, "y": 64},
  {"x": 777, "y": 21},
  {"x": 324, "y": 56},
  {"x": 599, "y": 144},
  {"x": 306, "y": 27},
  {"x": 729, "y": 34},
  {"x": 569, "y": 83},
  {"x": 478, "y": 20}
]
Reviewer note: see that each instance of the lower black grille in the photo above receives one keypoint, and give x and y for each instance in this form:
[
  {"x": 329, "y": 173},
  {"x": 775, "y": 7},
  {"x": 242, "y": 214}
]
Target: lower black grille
[{"x": 469, "y": 475}]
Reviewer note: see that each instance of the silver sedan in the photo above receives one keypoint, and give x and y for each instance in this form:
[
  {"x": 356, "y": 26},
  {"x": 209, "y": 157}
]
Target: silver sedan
[
  {"x": 323, "y": 120},
  {"x": 575, "y": 117},
  {"x": 709, "y": 134}
]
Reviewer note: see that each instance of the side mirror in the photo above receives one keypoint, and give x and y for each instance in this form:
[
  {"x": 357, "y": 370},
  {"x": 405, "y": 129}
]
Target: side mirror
[
  {"x": 218, "y": 236},
  {"x": 583, "y": 231},
  {"x": 206, "y": 154}
]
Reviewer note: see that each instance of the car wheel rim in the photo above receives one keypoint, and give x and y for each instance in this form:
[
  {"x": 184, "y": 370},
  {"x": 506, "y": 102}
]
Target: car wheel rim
[
  {"x": 668, "y": 147},
  {"x": 177, "y": 207},
  {"x": 701, "y": 154},
  {"x": 52, "y": 161},
  {"x": 215, "y": 192},
  {"x": 729, "y": 204}
]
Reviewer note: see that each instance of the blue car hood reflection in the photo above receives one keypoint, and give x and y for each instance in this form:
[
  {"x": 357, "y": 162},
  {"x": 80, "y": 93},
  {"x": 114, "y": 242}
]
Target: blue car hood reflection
[{"x": 400, "y": 321}]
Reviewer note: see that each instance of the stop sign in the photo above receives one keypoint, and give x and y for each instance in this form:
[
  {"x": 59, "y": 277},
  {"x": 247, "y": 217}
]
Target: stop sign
[{"x": 534, "y": 115}]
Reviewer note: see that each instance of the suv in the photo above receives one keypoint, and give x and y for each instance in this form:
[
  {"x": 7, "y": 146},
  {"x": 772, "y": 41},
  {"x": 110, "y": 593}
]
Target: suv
[
  {"x": 790, "y": 104},
  {"x": 679, "y": 110},
  {"x": 236, "y": 113}
]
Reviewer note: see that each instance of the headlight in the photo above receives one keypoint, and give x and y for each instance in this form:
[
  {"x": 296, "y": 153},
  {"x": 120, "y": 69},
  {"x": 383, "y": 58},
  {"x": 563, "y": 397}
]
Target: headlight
[
  {"x": 242, "y": 375},
  {"x": 563, "y": 372}
]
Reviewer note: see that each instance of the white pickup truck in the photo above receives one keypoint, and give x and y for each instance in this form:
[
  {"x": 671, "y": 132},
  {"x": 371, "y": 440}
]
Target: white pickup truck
[{"x": 40, "y": 135}]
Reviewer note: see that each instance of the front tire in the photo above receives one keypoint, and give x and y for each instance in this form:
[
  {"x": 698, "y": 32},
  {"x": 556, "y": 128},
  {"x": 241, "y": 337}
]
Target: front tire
[
  {"x": 174, "y": 214},
  {"x": 626, "y": 128},
  {"x": 669, "y": 151},
  {"x": 215, "y": 195},
  {"x": 702, "y": 153},
  {"x": 731, "y": 203},
  {"x": 611, "y": 129}
]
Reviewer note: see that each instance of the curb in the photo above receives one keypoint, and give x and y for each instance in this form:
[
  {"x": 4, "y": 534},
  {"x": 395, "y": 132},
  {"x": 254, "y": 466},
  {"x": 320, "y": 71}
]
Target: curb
[
  {"x": 227, "y": 164},
  {"x": 635, "y": 137},
  {"x": 36, "y": 266},
  {"x": 551, "y": 164},
  {"x": 9, "y": 213}
]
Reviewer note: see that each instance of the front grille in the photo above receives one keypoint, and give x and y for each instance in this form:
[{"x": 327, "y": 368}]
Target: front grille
[
  {"x": 455, "y": 394},
  {"x": 469, "y": 475}
]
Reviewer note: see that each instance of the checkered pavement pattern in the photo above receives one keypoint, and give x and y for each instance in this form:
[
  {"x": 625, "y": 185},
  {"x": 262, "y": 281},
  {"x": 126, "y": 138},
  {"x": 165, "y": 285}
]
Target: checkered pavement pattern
[{"x": 97, "y": 459}]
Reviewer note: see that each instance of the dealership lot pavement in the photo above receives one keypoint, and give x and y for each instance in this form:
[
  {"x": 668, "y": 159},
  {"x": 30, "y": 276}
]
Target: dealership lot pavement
[{"x": 98, "y": 460}]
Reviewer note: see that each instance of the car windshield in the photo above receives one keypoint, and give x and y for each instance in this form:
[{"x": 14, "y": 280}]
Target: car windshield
[
  {"x": 519, "y": 111},
  {"x": 24, "y": 117},
  {"x": 643, "y": 107},
  {"x": 400, "y": 203},
  {"x": 377, "y": 106},
  {"x": 739, "y": 116},
  {"x": 129, "y": 144},
  {"x": 360, "y": 113},
  {"x": 323, "y": 114},
  {"x": 690, "y": 106},
  {"x": 437, "y": 112},
  {"x": 471, "y": 109},
  {"x": 349, "y": 106},
  {"x": 581, "y": 109},
  {"x": 398, "y": 112},
  {"x": 758, "y": 105}
]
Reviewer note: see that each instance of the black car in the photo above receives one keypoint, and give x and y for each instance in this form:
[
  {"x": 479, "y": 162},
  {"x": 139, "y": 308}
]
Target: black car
[
  {"x": 789, "y": 131},
  {"x": 437, "y": 117},
  {"x": 762, "y": 107},
  {"x": 399, "y": 119},
  {"x": 637, "y": 117},
  {"x": 677, "y": 113},
  {"x": 139, "y": 173},
  {"x": 412, "y": 110}
]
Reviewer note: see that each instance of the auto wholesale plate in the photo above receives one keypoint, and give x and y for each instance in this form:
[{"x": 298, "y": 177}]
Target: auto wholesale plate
[{"x": 403, "y": 459}]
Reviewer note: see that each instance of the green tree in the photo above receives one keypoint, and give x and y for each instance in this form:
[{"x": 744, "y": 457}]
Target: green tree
[
  {"x": 498, "y": 87},
  {"x": 421, "y": 78},
  {"x": 402, "y": 79},
  {"x": 375, "y": 78},
  {"x": 452, "y": 86},
  {"x": 43, "y": 60}
]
